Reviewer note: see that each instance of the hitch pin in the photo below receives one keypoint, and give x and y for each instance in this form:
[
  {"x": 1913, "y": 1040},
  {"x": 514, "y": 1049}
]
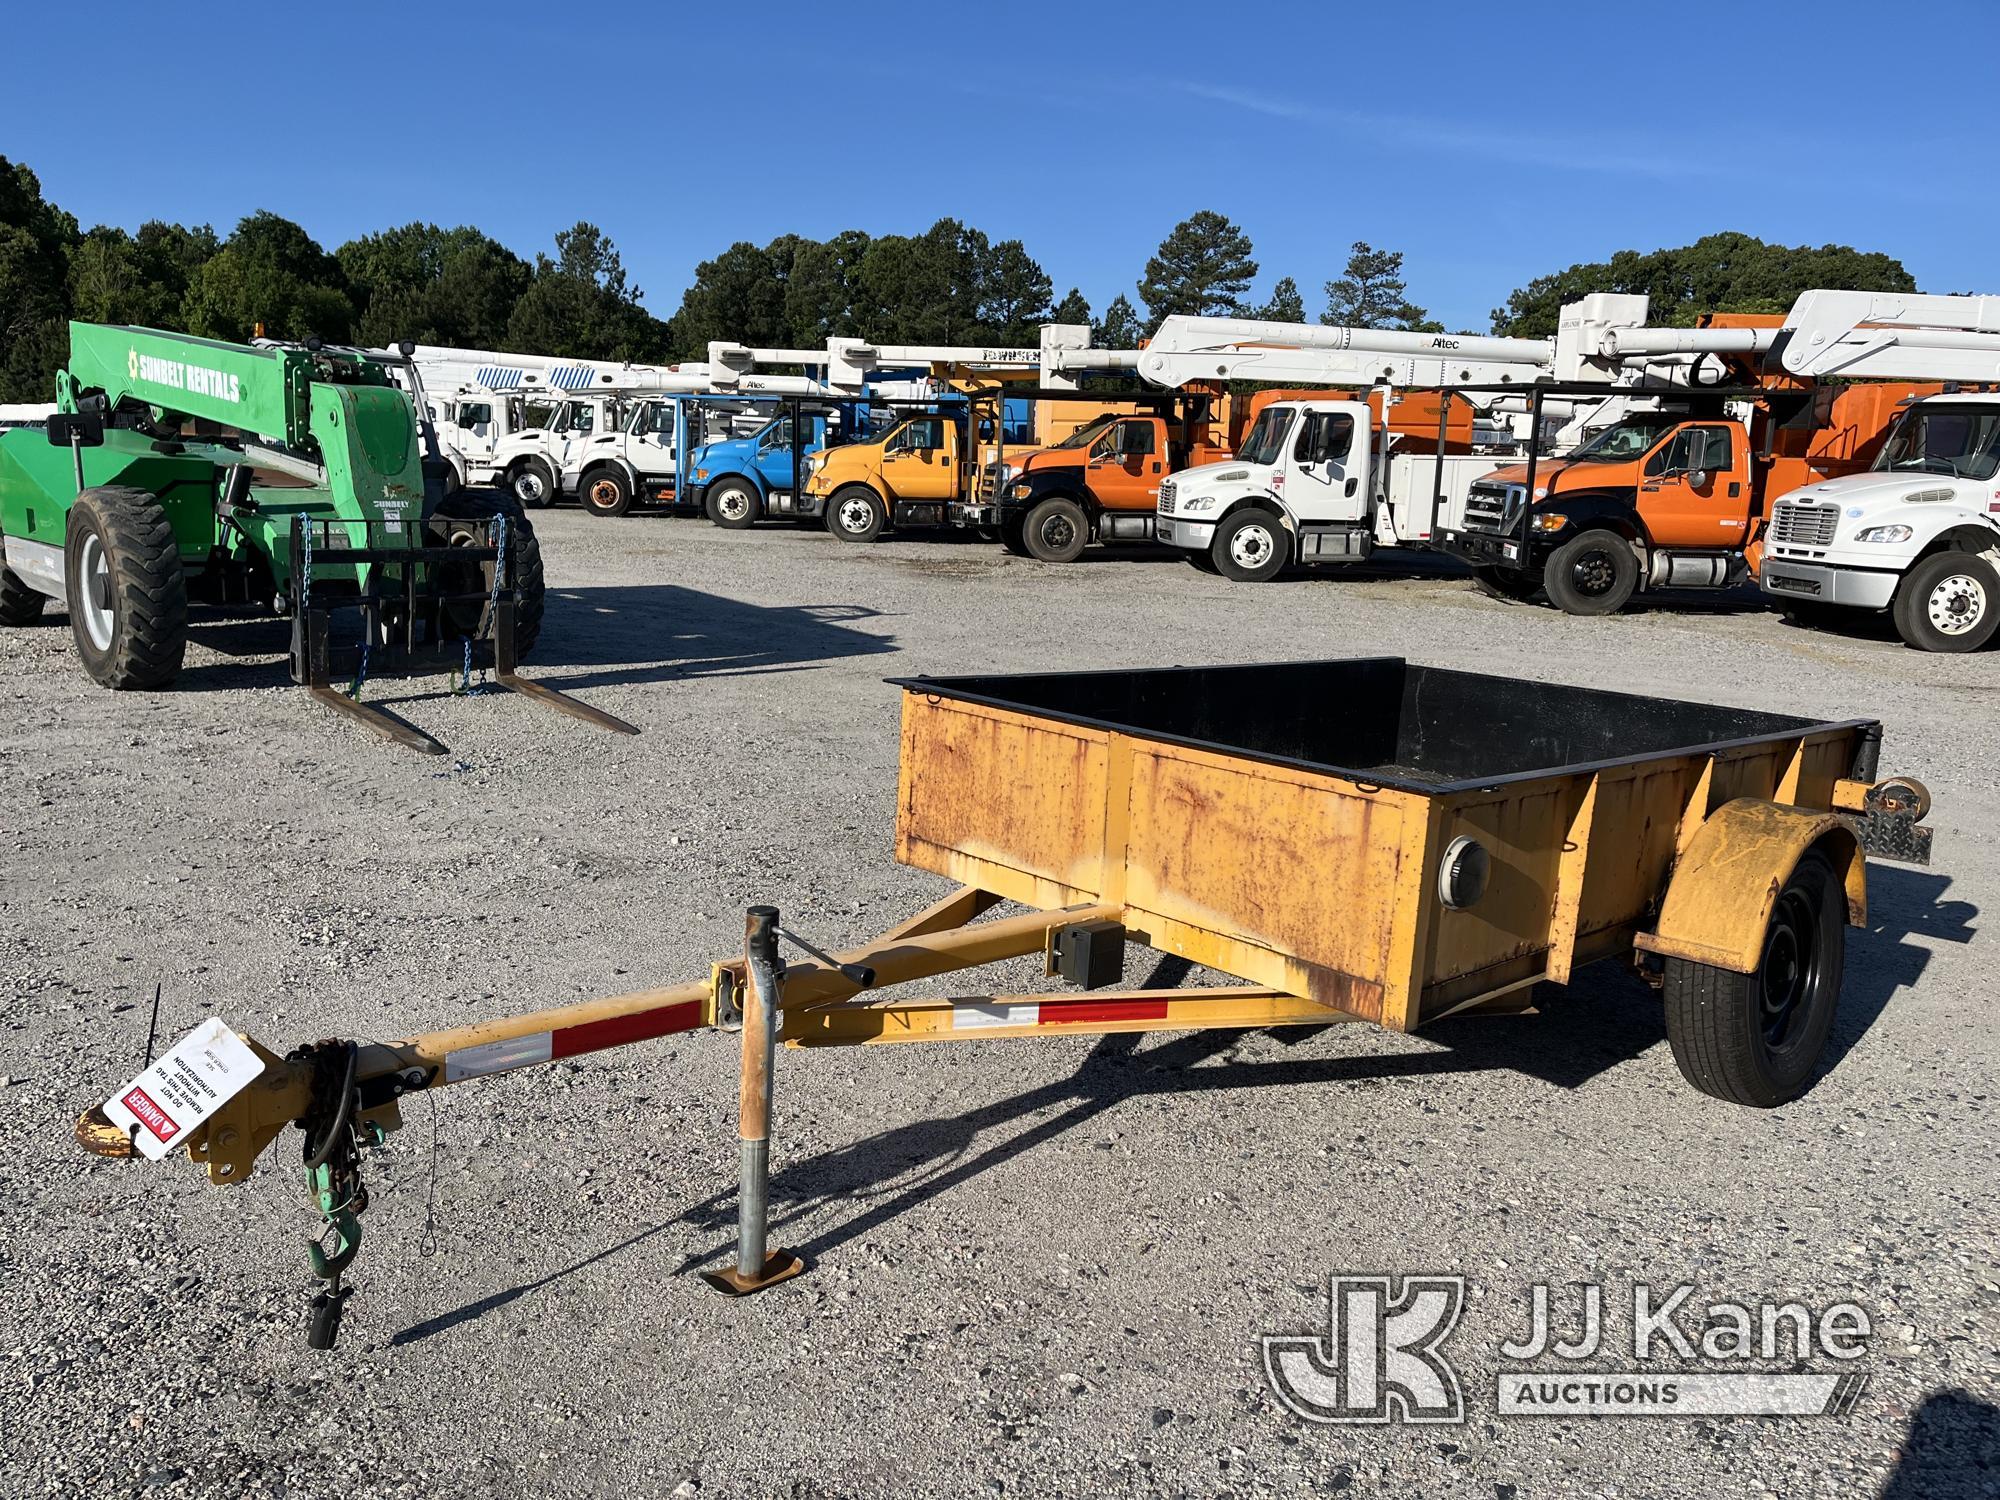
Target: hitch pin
[{"x": 856, "y": 974}]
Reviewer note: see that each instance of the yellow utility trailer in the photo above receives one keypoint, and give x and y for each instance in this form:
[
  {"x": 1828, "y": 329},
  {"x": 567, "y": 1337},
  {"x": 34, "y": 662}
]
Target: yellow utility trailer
[{"x": 1354, "y": 840}]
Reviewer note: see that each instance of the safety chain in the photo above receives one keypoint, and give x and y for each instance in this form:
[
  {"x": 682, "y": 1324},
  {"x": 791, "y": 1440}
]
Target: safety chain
[
  {"x": 465, "y": 685},
  {"x": 306, "y": 582}
]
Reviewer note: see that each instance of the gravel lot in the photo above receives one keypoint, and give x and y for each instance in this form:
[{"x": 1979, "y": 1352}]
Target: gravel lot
[{"x": 1039, "y": 1268}]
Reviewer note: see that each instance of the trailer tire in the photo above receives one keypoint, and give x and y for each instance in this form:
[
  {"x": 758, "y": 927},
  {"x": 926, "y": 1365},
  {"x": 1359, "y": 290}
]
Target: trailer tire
[
  {"x": 530, "y": 583},
  {"x": 1756, "y": 1039},
  {"x": 1508, "y": 585},
  {"x": 856, "y": 514},
  {"x": 1014, "y": 536},
  {"x": 605, "y": 492},
  {"x": 1056, "y": 531},
  {"x": 120, "y": 546},
  {"x": 1251, "y": 546},
  {"x": 19, "y": 604},
  {"x": 1592, "y": 574},
  {"x": 1950, "y": 601},
  {"x": 734, "y": 504},
  {"x": 532, "y": 484}
]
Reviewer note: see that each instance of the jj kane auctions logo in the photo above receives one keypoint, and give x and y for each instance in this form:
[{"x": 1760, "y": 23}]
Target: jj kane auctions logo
[{"x": 1381, "y": 1358}]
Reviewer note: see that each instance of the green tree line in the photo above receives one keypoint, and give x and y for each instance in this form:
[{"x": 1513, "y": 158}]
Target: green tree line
[{"x": 951, "y": 284}]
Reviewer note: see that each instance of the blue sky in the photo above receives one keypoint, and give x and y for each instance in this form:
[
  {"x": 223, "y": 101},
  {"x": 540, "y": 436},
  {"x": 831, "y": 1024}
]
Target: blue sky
[{"x": 1489, "y": 143}]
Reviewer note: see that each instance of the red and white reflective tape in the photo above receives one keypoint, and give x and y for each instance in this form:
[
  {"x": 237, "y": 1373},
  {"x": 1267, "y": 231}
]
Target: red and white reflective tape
[
  {"x": 988, "y": 1015},
  {"x": 569, "y": 1041}
]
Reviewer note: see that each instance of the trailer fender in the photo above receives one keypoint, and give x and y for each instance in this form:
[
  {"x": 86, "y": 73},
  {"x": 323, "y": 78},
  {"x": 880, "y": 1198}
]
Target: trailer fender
[{"x": 1726, "y": 883}]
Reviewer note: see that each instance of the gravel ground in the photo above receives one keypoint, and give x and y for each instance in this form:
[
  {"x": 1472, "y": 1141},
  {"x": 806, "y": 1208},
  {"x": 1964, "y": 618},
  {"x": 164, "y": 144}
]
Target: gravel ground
[{"x": 1039, "y": 1268}]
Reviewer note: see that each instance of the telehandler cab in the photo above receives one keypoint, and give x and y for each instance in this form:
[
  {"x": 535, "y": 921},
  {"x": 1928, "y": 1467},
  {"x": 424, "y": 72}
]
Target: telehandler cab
[{"x": 298, "y": 477}]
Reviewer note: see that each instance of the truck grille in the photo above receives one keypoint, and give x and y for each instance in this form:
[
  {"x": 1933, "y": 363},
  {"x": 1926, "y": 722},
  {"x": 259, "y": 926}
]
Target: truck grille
[
  {"x": 1797, "y": 523},
  {"x": 1491, "y": 506},
  {"x": 1166, "y": 497}
]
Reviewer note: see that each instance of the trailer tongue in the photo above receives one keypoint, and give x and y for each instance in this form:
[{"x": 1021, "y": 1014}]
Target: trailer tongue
[{"x": 1354, "y": 840}]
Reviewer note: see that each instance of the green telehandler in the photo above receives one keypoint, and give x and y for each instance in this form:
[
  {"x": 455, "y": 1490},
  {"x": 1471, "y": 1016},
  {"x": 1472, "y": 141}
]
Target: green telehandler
[{"x": 302, "y": 478}]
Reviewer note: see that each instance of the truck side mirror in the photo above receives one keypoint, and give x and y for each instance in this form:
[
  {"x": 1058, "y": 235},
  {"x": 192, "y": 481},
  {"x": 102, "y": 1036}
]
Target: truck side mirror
[{"x": 76, "y": 429}]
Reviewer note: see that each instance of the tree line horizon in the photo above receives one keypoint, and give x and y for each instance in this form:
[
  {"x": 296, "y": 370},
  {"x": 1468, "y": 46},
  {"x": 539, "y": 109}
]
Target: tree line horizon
[{"x": 951, "y": 284}]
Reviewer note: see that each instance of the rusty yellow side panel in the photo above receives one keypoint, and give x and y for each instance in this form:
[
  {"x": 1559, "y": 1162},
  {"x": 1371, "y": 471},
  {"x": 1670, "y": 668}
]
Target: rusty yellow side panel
[
  {"x": 1003, "y": 801},
  {"x": 1302, "y": 882}
]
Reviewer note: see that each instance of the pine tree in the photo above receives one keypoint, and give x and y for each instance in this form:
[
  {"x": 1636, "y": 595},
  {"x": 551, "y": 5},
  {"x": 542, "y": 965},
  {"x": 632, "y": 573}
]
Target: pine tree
[
  {"x": 1202, "y": 268},
  {"x": 1072, "y": 309},
  {"x": 1119, "y": 328},
  {"x": 1286, "y": 305},
  {"x": 1371, "y": 295}
]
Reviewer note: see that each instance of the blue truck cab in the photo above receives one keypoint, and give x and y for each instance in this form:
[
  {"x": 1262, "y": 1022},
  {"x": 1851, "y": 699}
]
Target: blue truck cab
[{"x": 739, "y": 481}]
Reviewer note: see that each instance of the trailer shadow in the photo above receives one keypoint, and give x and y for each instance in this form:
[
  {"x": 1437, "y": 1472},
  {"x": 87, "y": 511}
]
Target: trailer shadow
[
  {"x": 1903, "y": 903},
  {"x": 1607, "y": 1017},
  {"x": 593, "y": 637}
]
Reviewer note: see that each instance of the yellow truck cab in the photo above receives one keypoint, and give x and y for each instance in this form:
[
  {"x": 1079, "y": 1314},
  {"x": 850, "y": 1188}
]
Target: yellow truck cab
[{"x": 909, "y": 476}]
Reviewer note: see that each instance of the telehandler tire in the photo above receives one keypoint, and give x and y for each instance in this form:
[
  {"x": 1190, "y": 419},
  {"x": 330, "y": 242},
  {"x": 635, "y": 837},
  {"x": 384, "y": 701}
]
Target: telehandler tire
[
  {"x": 1592, "y": 574},
  {"x": 532, "y": 484},
  {"x": 524, "y": 547},
  {"x": 605, "y": 493},
  {"x": 1756, "y": 1039},
  {"x": 734, "y": 505},
  {"x": 128, "y": 608},
  {"x": 1950, "y": 601},
  {"x": 856, "y": 514},
  {"x": 1251, "y": 546},
  {"x": 19, "y": 604},
  {"x": 1057, "y": 531}
]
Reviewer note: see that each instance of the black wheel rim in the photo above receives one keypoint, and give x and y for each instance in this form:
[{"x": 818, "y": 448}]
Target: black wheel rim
[
  {"x": 1057, "y": 532},
  {"x": 1594, "y": 573},
  {"x": 1790, "y": 970}
]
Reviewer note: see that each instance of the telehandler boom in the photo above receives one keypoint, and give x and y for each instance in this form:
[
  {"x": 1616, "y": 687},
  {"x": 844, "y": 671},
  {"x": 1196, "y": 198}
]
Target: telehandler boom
[{"x": 180, "y": 470}]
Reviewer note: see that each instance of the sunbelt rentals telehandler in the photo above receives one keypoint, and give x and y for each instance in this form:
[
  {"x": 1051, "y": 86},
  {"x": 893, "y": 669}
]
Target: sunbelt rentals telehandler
[{"x": 180, "y": 471}]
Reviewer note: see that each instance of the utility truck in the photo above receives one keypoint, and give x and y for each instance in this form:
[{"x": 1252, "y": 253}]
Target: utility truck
[
  {"x": 1917, "y": 533},
  {"x": 1331, "y": 480},
  {"x": 180, "y": 471}
]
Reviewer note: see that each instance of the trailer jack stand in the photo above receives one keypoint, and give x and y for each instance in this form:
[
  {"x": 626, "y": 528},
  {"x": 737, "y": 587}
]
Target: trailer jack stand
[{"x": 757, "y": 1266}]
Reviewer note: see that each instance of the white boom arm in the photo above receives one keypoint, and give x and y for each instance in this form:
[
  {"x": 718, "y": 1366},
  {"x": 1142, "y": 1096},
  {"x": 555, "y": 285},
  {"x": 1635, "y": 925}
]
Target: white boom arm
[
  {"x": 1189, "y": 349},
  {"x": 450, "y": 369},
  {"x": 1893, "y": 336}
]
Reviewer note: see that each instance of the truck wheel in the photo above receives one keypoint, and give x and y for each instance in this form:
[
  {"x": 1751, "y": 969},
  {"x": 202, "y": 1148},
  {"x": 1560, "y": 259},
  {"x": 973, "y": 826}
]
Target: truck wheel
[
  {"x": 1950, "y": 601},
  {"x": 1200, "y": 561},
  {"x": 1506, "y": 584},
  {"x": 1056, "y": 531},
  {"x": 523, "y": 546},
  {"x": 127, "y": 594},
  {"x": 1813, "y": 613},
  {"x": 1014, "y": 536},
  {"x": 532, "y": 483},
  {"x": 1592, "y": 574},
  {"x": 855, "y": 514},
  {"x": 606, "y": 493},
  {"x": 19, "y": 604},
  {"x": 734, "y": 505},
  {"x": 1250, "y": 546},
  {"x": 1756, "y": 1038}
]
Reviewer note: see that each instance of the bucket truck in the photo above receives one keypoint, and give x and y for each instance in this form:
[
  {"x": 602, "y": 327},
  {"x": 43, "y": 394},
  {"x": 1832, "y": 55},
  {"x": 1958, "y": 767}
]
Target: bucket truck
[
  {"x": 1676, "y": 496},
  {"x": 1330, "y": 480},
  {"x": 1918, "y": 533}
]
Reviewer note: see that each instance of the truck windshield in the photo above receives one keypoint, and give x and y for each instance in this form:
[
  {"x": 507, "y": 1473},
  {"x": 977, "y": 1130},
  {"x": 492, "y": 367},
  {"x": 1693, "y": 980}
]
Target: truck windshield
[
  {"x": 1962, "y": 441},
  {"x": 1267, "y": 437},
  {"x": 1628, "y": 438},
  {"x": 1085, "y": 435}
]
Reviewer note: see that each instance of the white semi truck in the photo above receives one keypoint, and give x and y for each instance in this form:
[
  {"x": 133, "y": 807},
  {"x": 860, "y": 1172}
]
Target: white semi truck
[{"x": 1918, "y": 535}]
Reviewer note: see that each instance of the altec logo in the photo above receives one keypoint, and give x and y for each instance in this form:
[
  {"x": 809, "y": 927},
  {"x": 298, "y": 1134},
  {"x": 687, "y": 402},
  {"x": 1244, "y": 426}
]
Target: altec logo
[
  {"x": 198, "y": 380},
  {"x": 150, "y": 1114}
]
